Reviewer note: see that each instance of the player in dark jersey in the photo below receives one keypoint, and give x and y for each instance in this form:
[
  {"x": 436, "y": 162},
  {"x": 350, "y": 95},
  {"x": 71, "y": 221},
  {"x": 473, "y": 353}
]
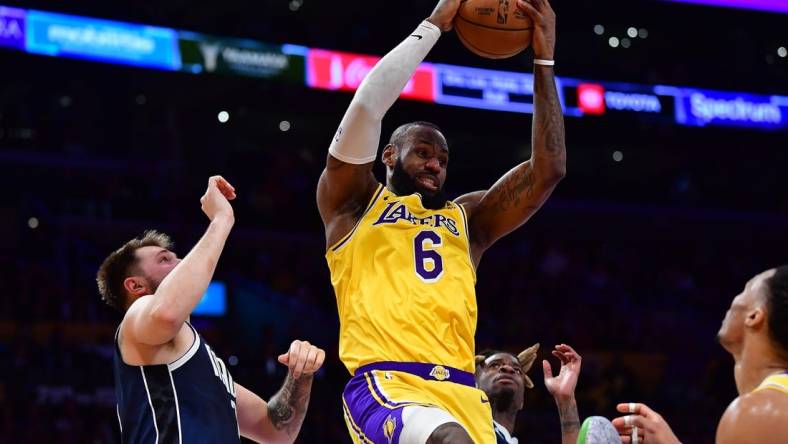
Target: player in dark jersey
[
  {"x": 170, "y": 386},
  {"x": 503, "y": 377}
]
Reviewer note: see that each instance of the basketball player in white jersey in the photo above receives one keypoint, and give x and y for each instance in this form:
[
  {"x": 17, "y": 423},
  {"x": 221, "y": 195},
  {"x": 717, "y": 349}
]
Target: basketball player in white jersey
[{"x": 755, "y": 332}]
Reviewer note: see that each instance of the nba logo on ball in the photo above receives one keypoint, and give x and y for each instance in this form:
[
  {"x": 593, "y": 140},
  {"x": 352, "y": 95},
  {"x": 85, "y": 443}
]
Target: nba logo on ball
[{"x": 495, "y": 29}]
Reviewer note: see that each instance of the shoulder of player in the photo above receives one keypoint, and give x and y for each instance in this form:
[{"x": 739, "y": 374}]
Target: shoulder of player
[
  {"x": 132, "y": 349},
  {"x": 757, "y": 417},
  {"x": 470, "y": 201}
]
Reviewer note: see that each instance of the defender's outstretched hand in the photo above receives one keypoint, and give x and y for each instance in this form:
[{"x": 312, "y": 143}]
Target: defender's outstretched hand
[
  {"x": 543, "y": 17},
  {"x": 216, "y": 199},
  {"x": 563, "y": 385},
  {"x": 443, "y": 14},
  {"x": 651, "y": 426},
  {"x": 303, "y": 358}
]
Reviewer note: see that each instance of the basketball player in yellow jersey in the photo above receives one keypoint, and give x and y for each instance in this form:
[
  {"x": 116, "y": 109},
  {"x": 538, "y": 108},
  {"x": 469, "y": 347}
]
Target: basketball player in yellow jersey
[
  {"x": 403, "y": 258},
  {"x": 755, "y": 332}
]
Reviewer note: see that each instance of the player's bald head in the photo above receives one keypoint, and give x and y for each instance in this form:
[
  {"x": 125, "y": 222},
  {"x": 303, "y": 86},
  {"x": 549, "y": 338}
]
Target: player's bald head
[{"x": 408, "y": 133}]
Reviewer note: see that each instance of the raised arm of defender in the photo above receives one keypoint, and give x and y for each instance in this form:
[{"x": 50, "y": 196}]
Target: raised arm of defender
[
  {"x": 347, "y": 183},
  {"x": 157, "y": 318},
  {"x": 521, "y": 192}
]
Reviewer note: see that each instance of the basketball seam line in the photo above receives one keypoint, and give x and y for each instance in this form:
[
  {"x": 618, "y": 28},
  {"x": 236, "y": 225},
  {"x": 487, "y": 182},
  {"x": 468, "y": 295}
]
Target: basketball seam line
[
  {"x": 492, "y": 27},
  {"x": 489, "y": 53}
]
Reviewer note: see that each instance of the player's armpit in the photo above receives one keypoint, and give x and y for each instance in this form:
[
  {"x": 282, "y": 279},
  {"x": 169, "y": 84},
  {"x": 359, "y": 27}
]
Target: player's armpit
[
  {"x": 344, "y": 189},
  {"x": 760, "y": 417}
]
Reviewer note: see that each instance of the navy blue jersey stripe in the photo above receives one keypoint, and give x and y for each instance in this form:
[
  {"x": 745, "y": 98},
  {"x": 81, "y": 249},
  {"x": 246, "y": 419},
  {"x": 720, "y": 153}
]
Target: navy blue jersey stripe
[{"x": 162, "y": 397}]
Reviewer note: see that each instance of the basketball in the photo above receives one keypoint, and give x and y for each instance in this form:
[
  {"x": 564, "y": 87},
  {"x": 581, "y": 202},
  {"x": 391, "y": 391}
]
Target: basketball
[{"x": 495, "y": 29}]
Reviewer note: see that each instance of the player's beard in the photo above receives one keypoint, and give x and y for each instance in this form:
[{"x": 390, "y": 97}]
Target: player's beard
[
  {"x": 403, "y": 184},
  {"x": 502, "y": 400}
]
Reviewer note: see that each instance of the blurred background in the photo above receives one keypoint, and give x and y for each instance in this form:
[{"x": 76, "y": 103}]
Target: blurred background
[{"x": 676, "y": 194}]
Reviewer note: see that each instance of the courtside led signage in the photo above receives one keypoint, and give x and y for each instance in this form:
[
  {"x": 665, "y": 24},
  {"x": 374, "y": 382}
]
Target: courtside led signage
[
  {"x": 12, "y": 27},
  {"x": 343, "y": 71},
  {"x": 486, "y": 89},
  {"x": 702, "y": 107},
  {"x": 206, "y": 54},
  {"x": 591, "y": 98},
  {"x": 103, "y": 40}
]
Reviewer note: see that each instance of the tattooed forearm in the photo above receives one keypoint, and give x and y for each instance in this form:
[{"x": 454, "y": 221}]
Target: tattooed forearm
[
  {"x": 517, "y": 185},
  {"x": 570, "y": 420},
  {"x": 287, "y": 408},
  {"x": 548, "y": 138}
]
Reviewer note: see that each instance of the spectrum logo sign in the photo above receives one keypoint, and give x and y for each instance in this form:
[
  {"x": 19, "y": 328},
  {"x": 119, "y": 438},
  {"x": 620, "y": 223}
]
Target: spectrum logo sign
[
  {"x": 703, "y": 107},
  {"x": 344, "y": 71}
]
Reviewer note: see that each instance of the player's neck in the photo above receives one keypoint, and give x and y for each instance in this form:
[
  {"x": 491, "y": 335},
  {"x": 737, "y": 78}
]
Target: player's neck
[
  {"x": 757, "y": 361},
  {"x": 506, "y": 418}
]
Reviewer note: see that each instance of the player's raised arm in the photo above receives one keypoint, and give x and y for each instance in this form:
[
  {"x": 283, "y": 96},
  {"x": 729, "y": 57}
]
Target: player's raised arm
[
  {"x": 523, "y": 190},
  {"x": 347, "y": 183},
  {"x": 157, "y": 318}
]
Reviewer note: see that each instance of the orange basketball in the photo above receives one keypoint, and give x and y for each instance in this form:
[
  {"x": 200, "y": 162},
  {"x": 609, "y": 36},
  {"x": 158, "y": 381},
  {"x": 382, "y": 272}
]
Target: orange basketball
[{"x": 495, "y": 29}]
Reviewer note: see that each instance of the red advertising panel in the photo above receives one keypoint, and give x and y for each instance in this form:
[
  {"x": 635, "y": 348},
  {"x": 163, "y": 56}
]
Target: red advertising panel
[
  {"x": 591, "y": 98},
  {"x": 344, "y": 71}
]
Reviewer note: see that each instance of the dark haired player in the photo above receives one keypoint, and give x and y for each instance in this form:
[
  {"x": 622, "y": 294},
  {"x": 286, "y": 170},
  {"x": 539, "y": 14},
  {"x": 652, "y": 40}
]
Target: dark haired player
[
  {"x": 503, "y": 377},
  {"x": 755, "y": 332},
  {"x": 403, "y": 258},
  {"x": 170, "y": 386}
]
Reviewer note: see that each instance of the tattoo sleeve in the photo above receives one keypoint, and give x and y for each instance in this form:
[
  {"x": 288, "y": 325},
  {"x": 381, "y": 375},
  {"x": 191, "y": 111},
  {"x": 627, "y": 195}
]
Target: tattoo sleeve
[
  {"x": 547, "y": 136},
  {"x": 287, "y": 408},
  {"x": 570, "y": 421}
]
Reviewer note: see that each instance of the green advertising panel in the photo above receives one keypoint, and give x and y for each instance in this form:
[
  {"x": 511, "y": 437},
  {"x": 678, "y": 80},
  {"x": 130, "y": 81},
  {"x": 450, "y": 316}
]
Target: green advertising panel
[{"x": 207, "y": 54}]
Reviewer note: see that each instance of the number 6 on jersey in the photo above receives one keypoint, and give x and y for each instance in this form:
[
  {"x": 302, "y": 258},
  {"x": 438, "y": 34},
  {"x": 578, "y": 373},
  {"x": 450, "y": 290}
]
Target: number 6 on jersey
[{"x": 429, "y": 263}]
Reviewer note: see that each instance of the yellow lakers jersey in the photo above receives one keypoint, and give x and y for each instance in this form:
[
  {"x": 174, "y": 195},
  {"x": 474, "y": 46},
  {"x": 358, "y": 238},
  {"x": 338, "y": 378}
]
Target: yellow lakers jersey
[
  {"x": 777, "y": 382},
  {"x": 404, "y": 283}
]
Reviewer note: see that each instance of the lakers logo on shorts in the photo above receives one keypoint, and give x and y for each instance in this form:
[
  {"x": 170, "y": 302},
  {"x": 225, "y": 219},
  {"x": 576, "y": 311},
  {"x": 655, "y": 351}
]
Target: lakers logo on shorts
[
  {"x": 440, "y": 373},
  {"x": 389, "y": 427}
]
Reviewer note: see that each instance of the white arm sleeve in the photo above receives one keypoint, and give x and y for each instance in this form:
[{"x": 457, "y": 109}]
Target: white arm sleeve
[{"x": 358, "y": 136}]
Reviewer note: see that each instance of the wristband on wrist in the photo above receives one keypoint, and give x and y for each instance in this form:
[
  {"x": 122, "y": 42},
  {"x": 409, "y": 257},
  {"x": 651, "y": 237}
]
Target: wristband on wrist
[{"x": 544, "y": 62}]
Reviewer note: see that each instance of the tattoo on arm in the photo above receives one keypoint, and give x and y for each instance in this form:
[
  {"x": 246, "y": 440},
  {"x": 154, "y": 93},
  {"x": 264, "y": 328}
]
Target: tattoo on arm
[
  {"x": 570, "y": 421},
  {"x": 548, "y": 129},
  {"x": 287, "y": 408},
  {"x": 517, "y": 185}
]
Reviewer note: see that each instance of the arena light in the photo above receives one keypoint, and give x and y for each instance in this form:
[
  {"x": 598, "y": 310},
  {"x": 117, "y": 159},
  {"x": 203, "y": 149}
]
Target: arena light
[
  {"x": 214, "y": 300},
  {"x": 223, "y": 116},
  {"x": 599, "y": 29},
  {"x": 613, "y": 42},
  {"x": 782, "y": 52},
  {"x": 618, "y": 156},
  {"x": 632, "y": 32}
]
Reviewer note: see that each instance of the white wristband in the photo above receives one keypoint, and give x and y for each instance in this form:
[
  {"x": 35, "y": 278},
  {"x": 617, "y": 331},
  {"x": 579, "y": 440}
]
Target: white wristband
[{"x": 544, "y": 62}]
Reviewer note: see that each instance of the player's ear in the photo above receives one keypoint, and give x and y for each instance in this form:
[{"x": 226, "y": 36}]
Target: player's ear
[
  {"x": 135, "y": 285},
  {"x": 755, "y": 317},
  {"x": 389, "y": 155}
]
